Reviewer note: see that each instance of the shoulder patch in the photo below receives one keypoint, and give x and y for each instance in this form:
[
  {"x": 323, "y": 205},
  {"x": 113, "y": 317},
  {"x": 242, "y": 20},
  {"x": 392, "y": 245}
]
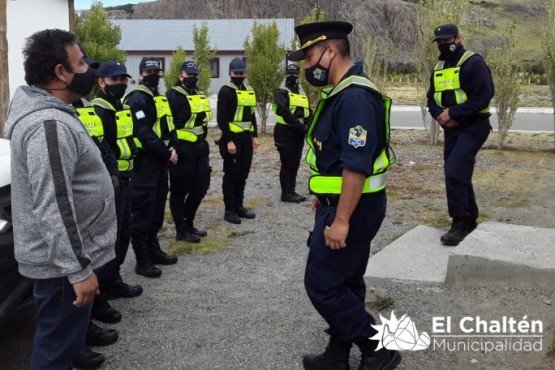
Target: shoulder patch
[
  {"x": 140, "y": 114},
  {"x": 357, "y": 136}
]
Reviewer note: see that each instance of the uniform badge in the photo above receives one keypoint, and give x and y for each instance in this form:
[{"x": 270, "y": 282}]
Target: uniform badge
[
  {"x": 357, "y": 136},
  {"x": 140, "y": 114}
]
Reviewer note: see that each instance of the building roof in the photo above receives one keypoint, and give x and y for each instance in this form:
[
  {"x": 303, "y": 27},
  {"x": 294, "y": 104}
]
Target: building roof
[{"x": 168, "y": 34}]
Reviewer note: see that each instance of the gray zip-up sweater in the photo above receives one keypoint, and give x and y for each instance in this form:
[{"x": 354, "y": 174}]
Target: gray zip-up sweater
[{"x": 63, "y": 206}]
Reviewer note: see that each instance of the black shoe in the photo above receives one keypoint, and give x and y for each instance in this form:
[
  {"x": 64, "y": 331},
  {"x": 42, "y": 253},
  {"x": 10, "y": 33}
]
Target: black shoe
[
  {"x": 159, "y": 257},
  {"x": 187, "y": 236},
  {"x": 383, "y": 359},
  {"x": 457, "y": 233},
  {"x": 119, "y": 289},
  {"x": 335, "y": 357},
  {"x": 97, "y": 336},
  {"x": 471, "y": 225},
  {"x": 88, "y": 359},
  {"x": 144, "y": 265},
  {"x": 292, "y": 198},
  {"x": 102, "y": 311},
  {"x": 200, "y": 233},
  {"x": 232, "y": 217},
  {"x": 245, "y": 213}
]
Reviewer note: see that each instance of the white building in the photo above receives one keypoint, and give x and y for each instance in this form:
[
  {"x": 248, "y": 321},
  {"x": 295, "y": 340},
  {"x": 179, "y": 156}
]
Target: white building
[
  {"x": 160, "y": 38},
  {"x": 25, "y": 17}
]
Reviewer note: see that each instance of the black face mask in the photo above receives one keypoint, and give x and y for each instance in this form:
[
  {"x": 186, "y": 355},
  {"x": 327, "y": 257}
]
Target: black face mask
[
  {"x": 448, "y": 51},
  {"x": 238, "y": 80},
  {"x": 82, "y": 83},
  {"x": 190, "y": 82},
  {"x": 318, "y": 75},
  {"x": 116, "y": 91},
  {"x": 151, "y": 80},
  {"x": 292, "y": 81}
]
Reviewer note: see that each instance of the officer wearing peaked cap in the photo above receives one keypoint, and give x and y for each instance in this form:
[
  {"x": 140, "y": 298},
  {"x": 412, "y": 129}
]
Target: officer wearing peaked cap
[
  {"x": 348, "y": 156},
  {"x": 154, "y": 129},
  {"x": 293, "y": 116},
  {"x": 461, "y": 88},
  {"x": 190, "y": 177}
]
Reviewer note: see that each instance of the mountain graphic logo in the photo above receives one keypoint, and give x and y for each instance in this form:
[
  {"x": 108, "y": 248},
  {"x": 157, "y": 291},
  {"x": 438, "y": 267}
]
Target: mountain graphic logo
[{"x": 399, "y": 335}]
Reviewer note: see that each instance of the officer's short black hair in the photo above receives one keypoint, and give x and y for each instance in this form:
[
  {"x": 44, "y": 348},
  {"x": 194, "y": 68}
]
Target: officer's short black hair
[
  {"x": 342, "y": 45},
  {"x": 43, "y": 51}
]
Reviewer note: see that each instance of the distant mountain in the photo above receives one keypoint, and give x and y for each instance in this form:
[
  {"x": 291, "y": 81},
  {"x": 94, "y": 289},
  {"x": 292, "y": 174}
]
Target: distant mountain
[{"x": 393, "y": 19}]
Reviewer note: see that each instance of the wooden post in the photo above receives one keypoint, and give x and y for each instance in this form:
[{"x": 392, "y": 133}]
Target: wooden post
[
  {"x": 4, "y": 70},
  {"x": 71, "y": 10}
]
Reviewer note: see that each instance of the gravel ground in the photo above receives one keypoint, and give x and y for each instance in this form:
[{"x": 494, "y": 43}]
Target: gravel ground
[{"x": 245, "y": 307}]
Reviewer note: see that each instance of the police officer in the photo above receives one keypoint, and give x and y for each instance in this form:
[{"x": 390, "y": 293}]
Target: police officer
[
  {"x": 348, "y": 156},
  {"x": 190, "y": 177},
  {"x": 461, "y": 89},
  {"x": 293, "y": 117},
  {"x": 118, "y": 134},
  {"x": 153, "y": 127},
  {"x": 237, "y": 121}
]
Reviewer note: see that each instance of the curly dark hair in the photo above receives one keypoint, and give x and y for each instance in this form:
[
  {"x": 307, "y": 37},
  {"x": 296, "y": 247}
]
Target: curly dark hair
[{"x": 43, "y": 51}]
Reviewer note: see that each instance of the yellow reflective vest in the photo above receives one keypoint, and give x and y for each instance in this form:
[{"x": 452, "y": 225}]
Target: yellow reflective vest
[
  {"x": 448, "y": 79},
  {"x": 163, "y": 115},
  {"x": 91, "y": 121},
  {"x": 199, "y": 104},
  {"x": 331, "y": 185},
  {"x": 299, "y": 100},
  {"x": 124, "y": 134},
  {"x": 246, "y": 99}
]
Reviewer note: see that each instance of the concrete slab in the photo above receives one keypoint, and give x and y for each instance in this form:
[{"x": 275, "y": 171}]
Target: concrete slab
[
  {"x": 504, "y": 255},
  {"x": 417, "y": 255}
]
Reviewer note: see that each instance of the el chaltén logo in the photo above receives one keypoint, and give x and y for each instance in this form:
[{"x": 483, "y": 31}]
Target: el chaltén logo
[{"x": 400, "y": 334}]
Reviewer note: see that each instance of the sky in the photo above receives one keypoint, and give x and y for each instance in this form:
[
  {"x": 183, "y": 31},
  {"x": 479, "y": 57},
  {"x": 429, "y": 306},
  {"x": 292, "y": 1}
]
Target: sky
[{"x": 86, "y": 4}]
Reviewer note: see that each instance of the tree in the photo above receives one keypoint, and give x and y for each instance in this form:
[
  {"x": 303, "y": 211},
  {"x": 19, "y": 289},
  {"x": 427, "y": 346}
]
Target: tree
[
  {"x": 203, "y": 56},
  {"x": 429, "y": 15},
  {"x": 171, "y": 75},
  {"x": 505, "y": 64},
  {"x": 548, "y": 46},
  {"x": 312, "y": 92},
  {"x": 376, "y": 51},
  {"x": 264, "y": 66},
  {"x": 99, "y": 37}
]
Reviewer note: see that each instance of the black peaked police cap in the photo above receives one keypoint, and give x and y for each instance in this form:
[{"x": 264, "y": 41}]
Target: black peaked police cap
[{"x": 313, "y": 33}]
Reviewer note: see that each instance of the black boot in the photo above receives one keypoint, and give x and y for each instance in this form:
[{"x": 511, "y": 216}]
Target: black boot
[
  {"x": 245, "y": 213},
  {"x": 231, "y": 216},
  {"x": 97, "y": 336},
  {"x": 471, "y": 224},
  {"x": 371, "y": 359},
  {"x": 335, "y": 357},
  {"x": 159, "y": 257},
  {"x": 292, "y": 198},
  {"x": 193, "y": 230},
  {"x": 457, "y": 233},
  {"x": 88, "y": 359},
  {"x": 144, "y": 265},
  {"x": 102, "y": 311},
  {"x": 119, "y": 289},
  {"x": 183, "y": 233}
]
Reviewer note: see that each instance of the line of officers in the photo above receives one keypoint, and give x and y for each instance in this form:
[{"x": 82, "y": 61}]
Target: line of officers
[{"x": 147, "y": 136}]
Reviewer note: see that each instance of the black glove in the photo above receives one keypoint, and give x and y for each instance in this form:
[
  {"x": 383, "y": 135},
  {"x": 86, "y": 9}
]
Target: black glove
[{"x": 115, "y": 183}]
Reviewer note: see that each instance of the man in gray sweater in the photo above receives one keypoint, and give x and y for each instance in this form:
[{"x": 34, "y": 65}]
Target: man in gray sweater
[{"x": 62, "y": 197}]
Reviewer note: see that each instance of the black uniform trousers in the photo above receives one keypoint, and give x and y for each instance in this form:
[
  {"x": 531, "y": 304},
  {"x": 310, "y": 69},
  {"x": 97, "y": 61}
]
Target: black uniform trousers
[
  {"x": 111, "y": 271},
  {"x": 236, "y": 171},
  {"x": 461, "y": 146},
  {"x": 334, "y": 279},
  {"x": 149, "y": 191},
  {"x": 289, "y": 142},
  {"x": 189, "y": 180}
]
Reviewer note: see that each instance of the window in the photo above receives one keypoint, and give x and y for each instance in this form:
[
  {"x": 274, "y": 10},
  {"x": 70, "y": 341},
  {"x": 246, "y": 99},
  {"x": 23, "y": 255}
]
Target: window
[{"x": 215, "y": 67}]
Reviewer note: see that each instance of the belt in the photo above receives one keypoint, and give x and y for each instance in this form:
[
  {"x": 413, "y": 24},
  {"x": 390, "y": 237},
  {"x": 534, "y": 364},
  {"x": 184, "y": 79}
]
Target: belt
[{"x": 333, "y": 200}]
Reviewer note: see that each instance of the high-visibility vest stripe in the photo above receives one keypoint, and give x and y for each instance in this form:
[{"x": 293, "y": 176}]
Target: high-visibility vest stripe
[
  {"x": 246, "y": 99},
  {"x": 91, "y": 121},
  {"x": 299, "y": 100},
  {"x": 199, "y": 104}
]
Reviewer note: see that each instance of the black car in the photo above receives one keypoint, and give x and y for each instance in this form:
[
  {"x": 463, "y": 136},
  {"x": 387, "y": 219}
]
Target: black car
[{"x": 16, "y": 291}]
